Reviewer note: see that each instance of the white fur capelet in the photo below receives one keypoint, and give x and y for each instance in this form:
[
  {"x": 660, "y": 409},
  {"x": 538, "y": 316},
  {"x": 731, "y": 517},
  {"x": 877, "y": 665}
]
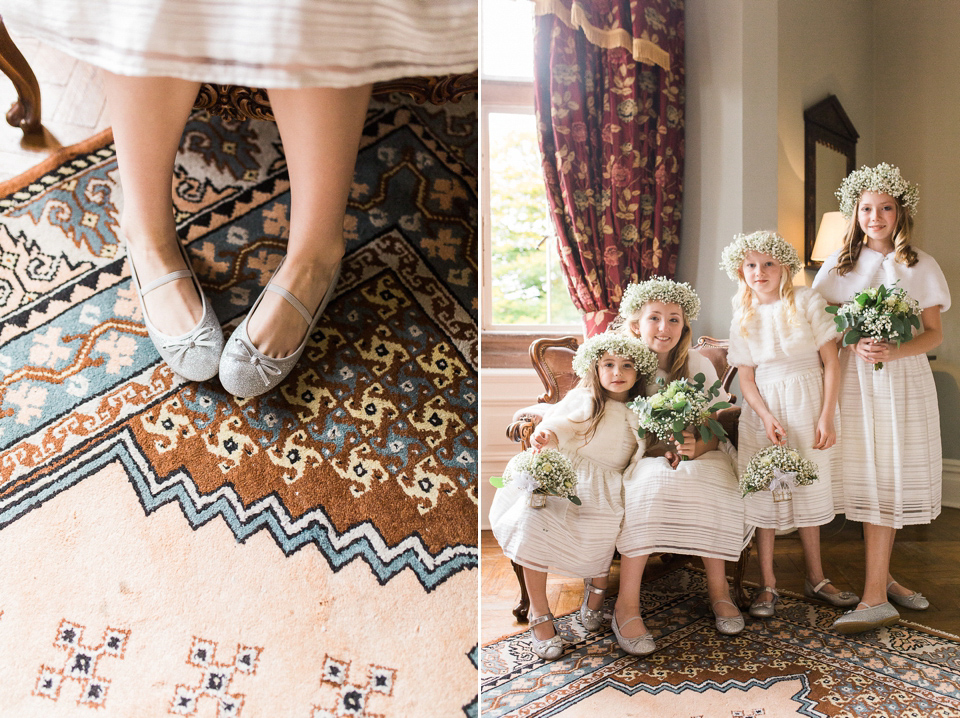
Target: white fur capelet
[{"x": 771, "y": 326}]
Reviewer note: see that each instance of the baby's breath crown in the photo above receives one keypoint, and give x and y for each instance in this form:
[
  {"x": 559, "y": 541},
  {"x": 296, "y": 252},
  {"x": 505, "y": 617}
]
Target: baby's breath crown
[
  {"x": 765, "y": 242},
  {"x": 883, "y": 178},
  {"x": 616, "y": 343},
  {"x": 660, "y": 289}
]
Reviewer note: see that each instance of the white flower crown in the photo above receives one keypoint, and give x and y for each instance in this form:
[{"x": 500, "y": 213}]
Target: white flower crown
[
  {"x": 622, "y": 345},
  {"x": 883, "y": 178},
  {"x": 660, "y": 289},
  {"x": 765, "y": 242}
]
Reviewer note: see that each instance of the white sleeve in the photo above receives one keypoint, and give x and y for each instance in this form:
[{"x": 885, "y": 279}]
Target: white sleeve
[
  {"x": 932, "y": 289},
  {"x": 569, "y": 417},
  {"x": 815, "y": 310},
  {"x": 738, "y": 350}
]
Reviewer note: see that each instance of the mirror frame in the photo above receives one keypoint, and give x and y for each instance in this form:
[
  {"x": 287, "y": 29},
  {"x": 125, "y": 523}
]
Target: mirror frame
[{"x": 827, "y": 124}]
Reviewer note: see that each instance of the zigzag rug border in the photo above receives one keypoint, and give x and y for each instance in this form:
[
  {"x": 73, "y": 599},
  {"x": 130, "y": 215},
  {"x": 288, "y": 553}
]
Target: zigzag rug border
[{"x": 314, "y": 527}]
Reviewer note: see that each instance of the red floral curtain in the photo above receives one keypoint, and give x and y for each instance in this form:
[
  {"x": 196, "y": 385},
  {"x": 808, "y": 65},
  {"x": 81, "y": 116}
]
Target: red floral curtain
[{"x": 609, "y": 98}]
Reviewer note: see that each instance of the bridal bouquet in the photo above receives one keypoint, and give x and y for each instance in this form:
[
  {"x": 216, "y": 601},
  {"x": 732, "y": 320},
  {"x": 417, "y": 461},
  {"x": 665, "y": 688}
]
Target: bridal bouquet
[
  {"x": 889, "y": 315},
  {"x": 775, "y": 469},
  {"x": 541, "y": 473},
  {"x": 680, "y": 404}
]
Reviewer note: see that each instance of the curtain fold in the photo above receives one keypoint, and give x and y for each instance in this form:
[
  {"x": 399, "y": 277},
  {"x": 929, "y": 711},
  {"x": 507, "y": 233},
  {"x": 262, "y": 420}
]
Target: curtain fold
[{"x": 609, "y": 98}]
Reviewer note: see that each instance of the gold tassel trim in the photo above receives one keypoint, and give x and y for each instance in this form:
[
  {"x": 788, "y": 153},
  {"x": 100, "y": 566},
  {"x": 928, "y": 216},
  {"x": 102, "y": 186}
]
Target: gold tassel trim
[{"x": 575, "y": 18}]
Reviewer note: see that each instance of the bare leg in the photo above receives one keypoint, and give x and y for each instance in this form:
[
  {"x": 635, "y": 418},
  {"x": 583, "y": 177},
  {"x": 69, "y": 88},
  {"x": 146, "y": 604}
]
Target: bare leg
[
  {"x": 628, "y": 600},
  {"x": 810, "y": 540},
  {"x": 765, "y": 539},
  {"x": 717, "y": 587},
  {"x": 320, "y": 129},
  {"x": 537, "y": 588},
  {"x": 148, "y": 115},
  {"x": 878, "y": 541},
  {"x": 595, "y": 600}
]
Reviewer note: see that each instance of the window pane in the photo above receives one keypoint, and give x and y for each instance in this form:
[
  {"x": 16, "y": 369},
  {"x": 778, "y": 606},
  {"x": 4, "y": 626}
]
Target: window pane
[
  {"x": 507, "y": 40},
  {"x": 527, "y": 284}
]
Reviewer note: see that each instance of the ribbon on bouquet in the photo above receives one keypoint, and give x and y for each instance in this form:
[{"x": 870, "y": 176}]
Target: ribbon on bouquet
[
  {"x": 780, "y": 484},
  {"x": 526, "y": 482}
]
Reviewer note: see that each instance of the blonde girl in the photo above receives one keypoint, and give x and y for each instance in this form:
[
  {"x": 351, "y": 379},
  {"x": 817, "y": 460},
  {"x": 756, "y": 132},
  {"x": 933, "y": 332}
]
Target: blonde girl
[
  {"x": 892, "y": 465},
  {"x": 594, "y": 428},
  {"x": 783, "y": 343},
  {"x": 691, "y": 507}
]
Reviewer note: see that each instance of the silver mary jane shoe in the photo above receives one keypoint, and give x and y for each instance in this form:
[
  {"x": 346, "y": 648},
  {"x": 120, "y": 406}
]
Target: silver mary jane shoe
[
  {"x": 867, "y": 618},
  {"x": 590, "y": 618},
  {"x": 915, "y": 601},
  {"x": 244, "y": 370},
  {"x": 728, "y": 625},
  {"x": 765, "y": 609},
  {"x": 549, "y": 649},
  {"x": 196, "y": 354},
  {"x": 843, "y": 599},
  {"x": 641, "y": 645}
]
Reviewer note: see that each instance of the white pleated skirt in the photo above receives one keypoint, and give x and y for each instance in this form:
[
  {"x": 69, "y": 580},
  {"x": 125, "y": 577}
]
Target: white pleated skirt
[
  {"x": 695, "y": 509},
  {"x": 892, "y": 459},
  {"x": 562, "y": 537},
  {"x": 276, "y": 44},
  {"x": 792, "y": 388}
]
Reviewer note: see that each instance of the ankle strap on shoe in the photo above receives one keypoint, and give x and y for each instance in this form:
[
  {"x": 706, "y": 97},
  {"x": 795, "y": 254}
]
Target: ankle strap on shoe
[
  {"x": 165, "y": 279},
  {"x": 820, "y": 585},
  {"x": 587, "y": 586},
  {"x": 540, "y": 619},
  {"x": 768, "y": 589},
  {"x": 294, "y": 302}
]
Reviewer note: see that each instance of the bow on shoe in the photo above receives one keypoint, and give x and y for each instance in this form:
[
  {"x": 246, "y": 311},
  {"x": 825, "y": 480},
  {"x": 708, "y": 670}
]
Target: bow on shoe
[
  {"x": 250, "y": 355},
  {"x": 203, "y": 338}
]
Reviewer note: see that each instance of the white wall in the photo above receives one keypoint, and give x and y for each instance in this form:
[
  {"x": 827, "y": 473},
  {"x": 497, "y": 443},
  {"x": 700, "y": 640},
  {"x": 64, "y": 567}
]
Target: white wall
[
  {"x": 731, "y": 142},
  {"x": 819, "y": 55}
]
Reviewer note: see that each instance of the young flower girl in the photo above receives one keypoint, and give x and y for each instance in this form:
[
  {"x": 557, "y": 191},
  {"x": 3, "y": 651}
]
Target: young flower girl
[
  {"x": 689, "y": 507},
  {"x": 783, "y": 343},
  {"x": 593, "y": 427},
  {"x": 895, "y": 480}
]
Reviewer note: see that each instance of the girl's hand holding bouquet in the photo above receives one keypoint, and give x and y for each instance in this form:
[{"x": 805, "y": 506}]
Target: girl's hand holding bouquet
[{"x": 875, "y": 320}]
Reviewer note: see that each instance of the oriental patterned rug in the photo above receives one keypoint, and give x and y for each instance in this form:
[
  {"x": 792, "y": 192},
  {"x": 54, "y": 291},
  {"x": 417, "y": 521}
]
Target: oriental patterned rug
[
  {"x": 790, "y": 665},
  {"x": 168, "y": 549}
]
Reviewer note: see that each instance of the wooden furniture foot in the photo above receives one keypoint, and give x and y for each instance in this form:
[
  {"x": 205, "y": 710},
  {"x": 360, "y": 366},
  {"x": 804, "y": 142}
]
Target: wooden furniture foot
[
  {"x": 25, "y": 112},
  {"x": 522, "y": 609}
]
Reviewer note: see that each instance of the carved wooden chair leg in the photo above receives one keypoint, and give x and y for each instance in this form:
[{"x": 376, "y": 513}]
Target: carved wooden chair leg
[
  {"x": 739, "y": 594},
  {"x": 522, "y": 609},
  {"x": 25, "y": 112}
]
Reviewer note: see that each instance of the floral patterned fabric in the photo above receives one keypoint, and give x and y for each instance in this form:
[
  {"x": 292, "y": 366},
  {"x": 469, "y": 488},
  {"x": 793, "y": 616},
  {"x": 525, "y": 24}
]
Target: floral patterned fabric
[{"x": 611, "y": 135}]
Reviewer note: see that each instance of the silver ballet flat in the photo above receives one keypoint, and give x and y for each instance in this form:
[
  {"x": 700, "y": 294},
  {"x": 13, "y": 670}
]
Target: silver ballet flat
[
  {"x": 867, "y": 619},
  {"x": 728, "y": 625},
  {"x": 244, "y": 370},
  {"x": 916, "y": 601},
  {"x": 549, "y": 649},
  {"x": 843, "y": 599},
  {"x": 196, "y": 354},
  {"x": 764, "y": 609},
  {"x": 641, "y": 645},
  {"x": 591, "y": 619}
]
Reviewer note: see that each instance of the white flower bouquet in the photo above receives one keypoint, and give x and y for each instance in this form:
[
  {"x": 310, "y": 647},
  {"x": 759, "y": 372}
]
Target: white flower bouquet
[
  {"x": 774, "y": 469},
  {"x": 681, "y": 404},
  {"x": 889, "y": 315},
  {"x": 541, "y": 473}
]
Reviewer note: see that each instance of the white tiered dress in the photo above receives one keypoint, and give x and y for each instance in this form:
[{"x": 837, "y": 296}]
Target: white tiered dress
[
  {"x": 562, "y": 537},
  {"x": 893, "y": 464},
  {"x": 276, "y": 44},
  {"x": 695, "y": 509},
  {"x": 789, "y": 375}
]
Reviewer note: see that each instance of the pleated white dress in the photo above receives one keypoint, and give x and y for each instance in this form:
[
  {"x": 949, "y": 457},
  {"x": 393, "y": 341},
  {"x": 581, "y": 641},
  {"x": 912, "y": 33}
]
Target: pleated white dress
[
  {"x": 695, "y": 509},
  {"x": 893, "y": 464},
  {"x": 562, "y": 537},
  {"x": 276, "y": 44},
  {"x": 784, "y": 352}
]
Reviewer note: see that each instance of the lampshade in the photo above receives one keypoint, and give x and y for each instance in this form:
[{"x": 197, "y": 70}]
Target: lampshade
[{"x": 833, "y": 227}]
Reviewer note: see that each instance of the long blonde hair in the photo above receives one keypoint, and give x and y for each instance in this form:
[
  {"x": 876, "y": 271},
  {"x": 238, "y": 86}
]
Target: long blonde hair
[
  {"x": 677, "y": 359},
  {"x": 598, "y": 397},
  {"x": 854, "y": 240},
  {"x": 745, "y": 300}
]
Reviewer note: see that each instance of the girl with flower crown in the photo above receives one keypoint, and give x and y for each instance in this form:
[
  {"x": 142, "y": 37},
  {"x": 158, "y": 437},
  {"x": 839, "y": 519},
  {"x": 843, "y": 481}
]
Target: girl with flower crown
[
  {"x": 690, "y": 507},
  {"x": 892, "y": 457},
  {"x": 593, "y": 427},
  {"x": 784, "y": 344}
]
